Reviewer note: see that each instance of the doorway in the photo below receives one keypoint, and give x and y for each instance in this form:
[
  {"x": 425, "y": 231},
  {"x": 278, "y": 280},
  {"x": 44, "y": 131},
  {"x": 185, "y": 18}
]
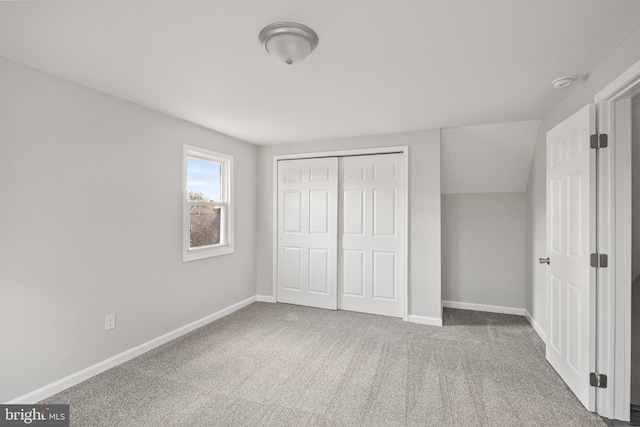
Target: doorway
[
  {"x": 617, "y": 104},
  {"x": 342, "y": 231},
  {"x": 601, "y": 374}
]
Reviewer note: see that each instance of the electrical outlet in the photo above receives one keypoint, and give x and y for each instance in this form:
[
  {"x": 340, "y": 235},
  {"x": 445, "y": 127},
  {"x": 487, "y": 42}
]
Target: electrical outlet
[{"x": 109, "y": 321}]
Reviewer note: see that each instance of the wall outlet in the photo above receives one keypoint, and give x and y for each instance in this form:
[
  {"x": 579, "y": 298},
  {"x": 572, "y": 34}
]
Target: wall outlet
[{"x": 109, "y": 321}]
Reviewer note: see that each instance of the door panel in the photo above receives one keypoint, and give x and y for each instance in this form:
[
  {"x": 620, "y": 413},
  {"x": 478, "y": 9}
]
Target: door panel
[
  {"x": 570, "y": 240},
  {"x": 318, "y": 269},
  {"x": 555, "y": 339},
  {"x": 319, "y": 212},
  {"x": 308, "y": 232},
  {"x": 372, "y": 214},
  {"x": 384, "y": 275},
  {"x": 384, "y": 212},
  {"x": 292, "y": 211},
  {"x": 353, "y": 212},
  {"x": 353, "y": 269},
  {"x": 291, "y": 261}
]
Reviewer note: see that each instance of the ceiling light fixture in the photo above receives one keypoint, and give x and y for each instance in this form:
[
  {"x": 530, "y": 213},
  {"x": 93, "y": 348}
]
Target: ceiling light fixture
[
  {"x": 288, "y": 42},
  {"x": 561, "y": 82}
]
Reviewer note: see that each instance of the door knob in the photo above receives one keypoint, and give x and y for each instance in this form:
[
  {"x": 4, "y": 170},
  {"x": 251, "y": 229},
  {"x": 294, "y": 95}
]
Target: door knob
[{"x": 545, "y": 261}]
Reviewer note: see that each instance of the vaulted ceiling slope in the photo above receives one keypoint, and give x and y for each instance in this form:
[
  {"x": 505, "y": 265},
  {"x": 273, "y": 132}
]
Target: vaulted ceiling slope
[
  {"x": 380, "y": 67},
  {"x": 493, "y": 158}
]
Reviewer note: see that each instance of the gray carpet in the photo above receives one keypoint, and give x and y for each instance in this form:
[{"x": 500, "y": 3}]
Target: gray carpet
[{"x": 278, "y": 364}]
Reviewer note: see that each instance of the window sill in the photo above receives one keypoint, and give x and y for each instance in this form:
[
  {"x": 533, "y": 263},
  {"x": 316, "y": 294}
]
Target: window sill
[{"x": 194, "y": 255}]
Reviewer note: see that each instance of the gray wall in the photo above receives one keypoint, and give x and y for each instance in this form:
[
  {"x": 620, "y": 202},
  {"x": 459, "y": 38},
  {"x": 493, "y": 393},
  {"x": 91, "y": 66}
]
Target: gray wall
[
  {"x": 635, "y": 253},
  {"x": 579, "y": 95},
  {"x": 424, "y": 211},
  {"x": 483, "y": 248},
  {"x": 91, "y": 196}
]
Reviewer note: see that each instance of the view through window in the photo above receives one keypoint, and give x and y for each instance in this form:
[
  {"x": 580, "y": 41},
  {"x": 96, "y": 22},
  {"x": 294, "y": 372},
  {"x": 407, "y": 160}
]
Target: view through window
[{"x": 203, "y": 188}]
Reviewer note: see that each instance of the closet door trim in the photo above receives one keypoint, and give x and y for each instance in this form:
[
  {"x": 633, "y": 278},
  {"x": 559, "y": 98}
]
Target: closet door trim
[{"x": 404, "y": 149}]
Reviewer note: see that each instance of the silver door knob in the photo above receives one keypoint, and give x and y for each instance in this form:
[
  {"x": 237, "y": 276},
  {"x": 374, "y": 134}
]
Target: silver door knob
[{"x": 545, "y": 261}]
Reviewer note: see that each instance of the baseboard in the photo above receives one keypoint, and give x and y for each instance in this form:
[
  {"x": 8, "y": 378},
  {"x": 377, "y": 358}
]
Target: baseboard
[
  {"x": 536, "y": 326},
  {"x": 423, "y": 320},
  {"x": 484, "y": 307},
  {"x": 78, "y": 377},
  {"x": 265, "y": 298}
]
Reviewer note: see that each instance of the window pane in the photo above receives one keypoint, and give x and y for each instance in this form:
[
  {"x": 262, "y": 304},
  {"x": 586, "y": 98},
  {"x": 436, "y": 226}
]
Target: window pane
[
  {"x": 203, "y": 180},
  {"x": 204, "y": 223}
]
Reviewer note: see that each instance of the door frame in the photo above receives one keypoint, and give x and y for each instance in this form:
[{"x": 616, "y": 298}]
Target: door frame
[
  {"x": 399, "y": 149},
  {"x": 614, "y": 238}
]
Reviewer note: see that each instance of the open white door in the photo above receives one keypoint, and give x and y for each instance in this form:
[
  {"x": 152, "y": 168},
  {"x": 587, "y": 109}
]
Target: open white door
[
  {"x": 571, "y": 235},
  {"x": 308, "y": 232}
]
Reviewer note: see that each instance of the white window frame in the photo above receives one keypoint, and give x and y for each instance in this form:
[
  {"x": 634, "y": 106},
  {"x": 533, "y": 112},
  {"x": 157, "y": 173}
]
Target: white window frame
[{"x": 226, "y": 194}]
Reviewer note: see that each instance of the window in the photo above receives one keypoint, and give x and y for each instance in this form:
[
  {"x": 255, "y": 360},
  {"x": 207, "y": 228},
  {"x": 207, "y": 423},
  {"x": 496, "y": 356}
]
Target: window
[{"x": 208, "y": 209}]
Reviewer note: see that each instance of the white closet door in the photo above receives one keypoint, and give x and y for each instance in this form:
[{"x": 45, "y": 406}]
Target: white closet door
[
  {"x": 372, "y": 228},
  {"x": 570, "y": 239},
  {"x": 308, "y": 232}
]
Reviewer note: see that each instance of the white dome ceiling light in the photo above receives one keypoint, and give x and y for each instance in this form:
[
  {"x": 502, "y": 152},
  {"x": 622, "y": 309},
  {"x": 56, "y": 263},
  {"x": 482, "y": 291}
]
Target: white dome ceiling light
[
  {"x": 288, "y": 42},
  {"x": 561, "y": 82}
]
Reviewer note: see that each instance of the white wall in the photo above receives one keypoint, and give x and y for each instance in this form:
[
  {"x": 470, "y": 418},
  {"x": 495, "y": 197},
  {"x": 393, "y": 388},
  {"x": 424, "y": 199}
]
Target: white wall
[
  {"x": 483, "y": 248},
  {"x": 90, "y": 224},
  {"x": 579, "y": 95},
  {"x": 424, "y": 211},
  {"x": 635, "y": 253}
]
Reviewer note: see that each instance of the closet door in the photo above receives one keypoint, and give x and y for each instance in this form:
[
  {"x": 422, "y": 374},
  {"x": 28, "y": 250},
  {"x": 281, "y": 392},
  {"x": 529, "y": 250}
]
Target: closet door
[
  {"x": 308, "y": 232},
  {"x": 372, "y": 228}
]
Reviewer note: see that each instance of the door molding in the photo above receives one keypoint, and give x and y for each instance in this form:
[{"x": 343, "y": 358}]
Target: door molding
[
  {"x": 614, "y": 238},
  {"x": 403, "y": 149}
]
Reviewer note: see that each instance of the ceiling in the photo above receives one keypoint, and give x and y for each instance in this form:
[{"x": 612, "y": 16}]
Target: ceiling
[{"x": 380, "y": 67}]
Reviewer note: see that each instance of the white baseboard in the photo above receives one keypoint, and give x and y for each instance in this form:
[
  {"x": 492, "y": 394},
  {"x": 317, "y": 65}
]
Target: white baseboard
[
  {"x": 423, "y": 320},
  {"x": 265, "y": 298},
  {"x": 536, "y": 326},
  {"x": 484, "y": 307},
  {"x": 78, "y": 377}
]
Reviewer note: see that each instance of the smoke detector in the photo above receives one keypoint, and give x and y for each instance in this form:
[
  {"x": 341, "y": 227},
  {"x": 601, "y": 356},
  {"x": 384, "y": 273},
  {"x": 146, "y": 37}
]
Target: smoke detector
[{"x": 561, "y": 82}]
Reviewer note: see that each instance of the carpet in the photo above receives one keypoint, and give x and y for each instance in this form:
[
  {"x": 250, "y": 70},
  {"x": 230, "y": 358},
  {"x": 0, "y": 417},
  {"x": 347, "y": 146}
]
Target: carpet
[{"x": 279, "y": 364}]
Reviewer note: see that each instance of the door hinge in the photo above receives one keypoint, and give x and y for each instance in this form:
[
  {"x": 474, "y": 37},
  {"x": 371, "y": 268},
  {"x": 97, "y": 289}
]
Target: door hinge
[
  {"x": 600, "y": 140},
  {"x": 599, "y": 260},
  {"x": 598, "y": 380}
]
